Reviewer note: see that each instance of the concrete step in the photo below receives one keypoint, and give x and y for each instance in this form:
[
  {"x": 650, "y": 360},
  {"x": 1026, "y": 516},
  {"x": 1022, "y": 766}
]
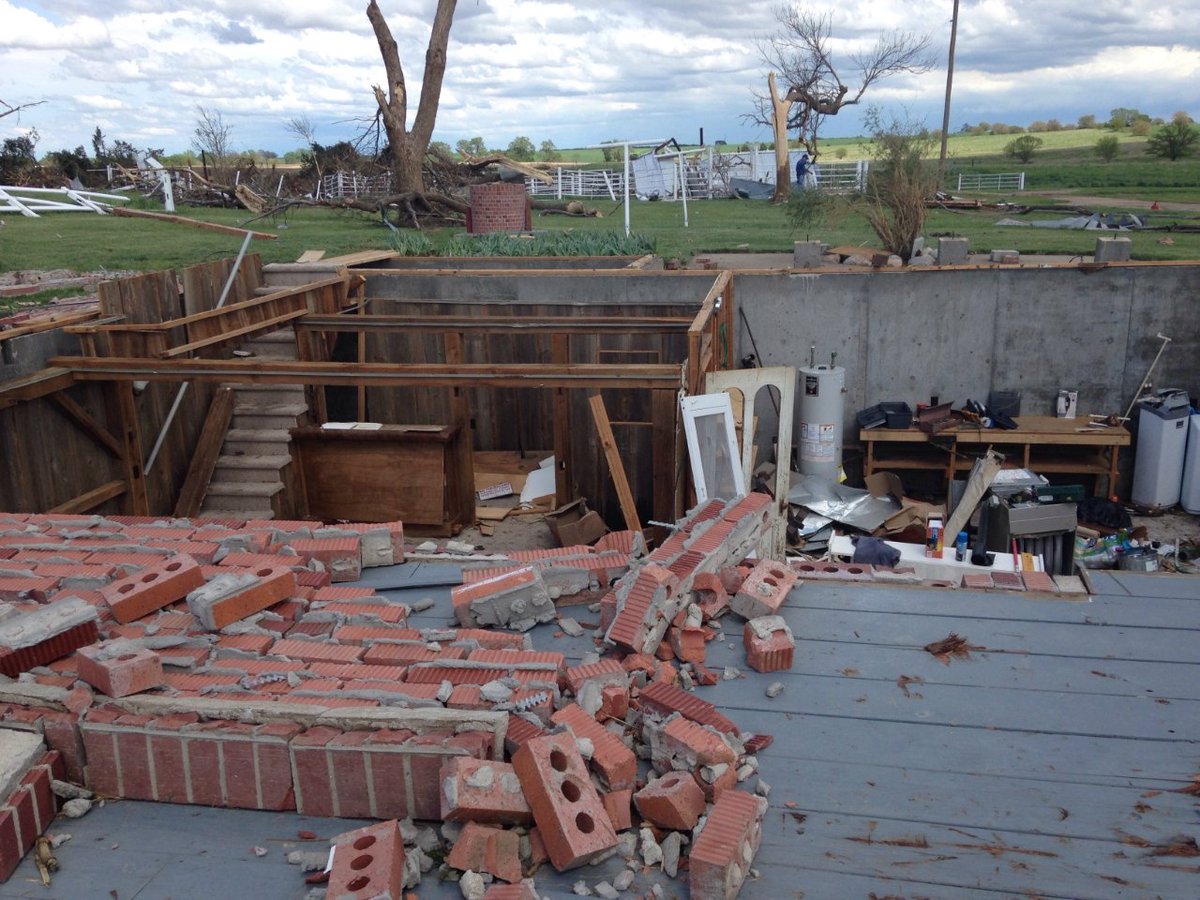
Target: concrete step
[
  {"x": 282, "y": 392},
  {"x": 270, "y": 403},
  {"x": 265, "y": 420},
  {"x": 251, "y": 441},
  {"x": 240, "y": 495},
  {"x": 276, "y": 345},
  {"x": 220, "y": 512},
  {"x": 250, "y": 467}
]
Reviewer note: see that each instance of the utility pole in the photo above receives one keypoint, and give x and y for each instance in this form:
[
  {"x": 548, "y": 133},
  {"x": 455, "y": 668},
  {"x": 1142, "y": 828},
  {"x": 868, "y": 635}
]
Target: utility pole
[{"x": 949, "y": 84}]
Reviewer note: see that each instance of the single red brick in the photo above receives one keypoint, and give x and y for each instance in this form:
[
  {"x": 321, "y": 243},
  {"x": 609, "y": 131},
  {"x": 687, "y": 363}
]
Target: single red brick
[
  {"x": 566, "y": 807},
  {"x": 618, "y": 805},
  {"x": 707, "y": 747},
  {"x": 764, "y": 590},
  {"x": 673, "y": 801},
  {"x": 480, "y": 848},
  {"x": 153, "y": 588},
  {"x": 341, "y": 557},
  {"x": 603, "y": 672},
  {"x": 768, "y": 643},
  {"x": 368, "y": 863},
  {"x": 117, "y": 671},
  {"x": 222, "y": 602},
  {"x": 665, "y": 699},
  {"x": 484, "y": 791},
  {"x": 710, "y": 594},
  {"x": 613, "y": 761},
  {"x": 722, "y": 854}
]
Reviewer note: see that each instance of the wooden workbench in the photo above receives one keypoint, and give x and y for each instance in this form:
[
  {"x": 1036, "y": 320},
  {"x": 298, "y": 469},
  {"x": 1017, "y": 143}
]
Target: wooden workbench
[{"x": 1044, "y": 444}]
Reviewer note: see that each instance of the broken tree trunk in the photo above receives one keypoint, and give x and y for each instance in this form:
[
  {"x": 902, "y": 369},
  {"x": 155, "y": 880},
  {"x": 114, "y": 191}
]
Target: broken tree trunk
[{"x": 780, "y": 107}]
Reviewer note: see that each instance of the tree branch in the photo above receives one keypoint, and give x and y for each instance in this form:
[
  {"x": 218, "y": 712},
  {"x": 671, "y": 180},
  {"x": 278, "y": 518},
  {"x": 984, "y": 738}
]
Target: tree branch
[
  {"x": 435, "y": 70},
  {"x": 9, "y": 109},
  {"x": 394, "y": 106}
]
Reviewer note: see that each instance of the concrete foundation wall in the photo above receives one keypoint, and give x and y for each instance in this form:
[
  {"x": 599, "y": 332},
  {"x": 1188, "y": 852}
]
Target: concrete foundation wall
[{"x": 904, "y": 335}]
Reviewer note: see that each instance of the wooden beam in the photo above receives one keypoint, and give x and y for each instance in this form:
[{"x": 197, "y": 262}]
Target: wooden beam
[
  {"x": 206, "y": 453},
  {"x": 251, "y": 371},
  {"x": 254, "y": 329},
  {"x": 45, "y": 323},
  {"x": 93, "y": 498},
  {"x": 615, "y": 467},
  {"x": 497, "y": 324},
  {"x": 84, "y": 420},
  {"x": 195, "y": 223},
  {"x": 35, "y": 386},
  {"x": 122, "y": 403}
]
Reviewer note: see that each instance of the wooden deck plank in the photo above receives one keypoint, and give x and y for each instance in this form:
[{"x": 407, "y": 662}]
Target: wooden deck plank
[{"x": 1110, "y": 677}]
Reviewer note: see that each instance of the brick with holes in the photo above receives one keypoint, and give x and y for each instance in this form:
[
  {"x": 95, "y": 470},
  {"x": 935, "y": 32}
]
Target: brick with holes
[
  {"x": 152, "y": 588},
  {"x": 722, "y": 854},
  {"x": 764, "y": 590},
  {"x": 120, "y": 668},
  {"x": 673, "y": 801},
  {"x": 229, "y": 597},
  {"x": 368, "y": 863},
  {"x": 569, "y": 813}
]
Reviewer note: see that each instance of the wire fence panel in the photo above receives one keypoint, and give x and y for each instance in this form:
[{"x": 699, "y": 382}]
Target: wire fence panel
[
  {"x": 349, "y": 184},
  {"x": 980, "y": 182}
]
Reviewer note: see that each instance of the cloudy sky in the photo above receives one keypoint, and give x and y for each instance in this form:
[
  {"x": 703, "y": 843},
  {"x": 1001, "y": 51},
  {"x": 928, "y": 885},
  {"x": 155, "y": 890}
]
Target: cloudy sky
[{"x": 572, "y": 72}]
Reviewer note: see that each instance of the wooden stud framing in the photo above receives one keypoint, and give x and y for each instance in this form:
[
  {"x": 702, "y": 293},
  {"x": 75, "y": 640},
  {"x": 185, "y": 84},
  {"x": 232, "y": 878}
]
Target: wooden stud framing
[
  {"x": 564, "y": 469},
  {"x": 121, "y": 402}
]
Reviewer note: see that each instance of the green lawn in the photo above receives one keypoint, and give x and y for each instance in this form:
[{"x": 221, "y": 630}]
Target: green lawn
[{"x": 85, "y": 242}]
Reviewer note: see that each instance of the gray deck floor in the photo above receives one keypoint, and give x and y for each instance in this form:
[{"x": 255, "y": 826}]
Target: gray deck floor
[{"x": 1048, "y": 764}]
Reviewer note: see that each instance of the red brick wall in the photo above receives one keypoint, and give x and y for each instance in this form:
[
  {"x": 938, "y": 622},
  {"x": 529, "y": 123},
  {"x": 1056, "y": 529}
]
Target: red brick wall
[{"x": 498, "y": 206}]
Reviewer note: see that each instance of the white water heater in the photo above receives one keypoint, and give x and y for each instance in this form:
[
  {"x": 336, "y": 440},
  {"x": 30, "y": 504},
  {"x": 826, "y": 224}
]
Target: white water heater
[
  {"x": 822, "y": 418},
  {"x": 1189, "y": 497}
]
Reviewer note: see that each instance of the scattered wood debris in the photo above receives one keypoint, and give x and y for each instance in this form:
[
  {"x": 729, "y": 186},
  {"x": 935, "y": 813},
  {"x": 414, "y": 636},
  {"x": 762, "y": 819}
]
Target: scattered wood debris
[
  {"x": 951, "y": 646},
  {"x": 905, "y": 680}
]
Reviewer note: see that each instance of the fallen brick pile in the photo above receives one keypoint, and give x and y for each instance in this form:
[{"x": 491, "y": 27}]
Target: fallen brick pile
[{"x": 217, "y": 663}]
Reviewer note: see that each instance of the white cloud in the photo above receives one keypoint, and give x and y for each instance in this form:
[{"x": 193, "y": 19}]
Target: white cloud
[{"x": 571, "y": 72}]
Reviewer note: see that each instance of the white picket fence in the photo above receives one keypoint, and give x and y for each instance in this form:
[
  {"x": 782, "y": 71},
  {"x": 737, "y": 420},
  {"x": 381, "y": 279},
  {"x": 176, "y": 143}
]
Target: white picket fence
[{"x": 977, "y": 182}]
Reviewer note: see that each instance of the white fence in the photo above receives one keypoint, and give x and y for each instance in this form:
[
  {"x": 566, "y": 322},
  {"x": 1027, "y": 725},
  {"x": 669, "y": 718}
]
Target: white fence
[
  {"x": 33, "y": 201},
  {"x": 349, "y": 184},
  {"x": 991, "y": 183},
  {"x": 705, "y": 174}
]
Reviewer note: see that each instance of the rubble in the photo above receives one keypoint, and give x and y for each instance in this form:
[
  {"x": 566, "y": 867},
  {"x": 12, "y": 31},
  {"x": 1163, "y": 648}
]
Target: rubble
[{"x": 283, "y": 692}]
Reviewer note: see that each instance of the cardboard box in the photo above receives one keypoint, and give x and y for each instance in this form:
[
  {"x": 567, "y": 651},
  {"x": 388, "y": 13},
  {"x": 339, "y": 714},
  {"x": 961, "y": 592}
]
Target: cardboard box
[
  {"x": 912, "y": 512},
  {"x": 576, "y": 524}
]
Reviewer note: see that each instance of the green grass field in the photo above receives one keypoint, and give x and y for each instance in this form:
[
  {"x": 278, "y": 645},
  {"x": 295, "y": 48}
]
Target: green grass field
[{"x": 1068, "y": 165}]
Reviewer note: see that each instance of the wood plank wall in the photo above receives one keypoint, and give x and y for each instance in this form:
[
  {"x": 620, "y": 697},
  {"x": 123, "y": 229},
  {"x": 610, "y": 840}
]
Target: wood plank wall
[
  {"x": 49, "y": 459},
  {"x": 522, "y": 419}
]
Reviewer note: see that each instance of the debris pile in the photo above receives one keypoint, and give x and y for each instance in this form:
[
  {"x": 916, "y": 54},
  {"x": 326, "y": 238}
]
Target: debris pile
[{"x": 132, "y": 645}]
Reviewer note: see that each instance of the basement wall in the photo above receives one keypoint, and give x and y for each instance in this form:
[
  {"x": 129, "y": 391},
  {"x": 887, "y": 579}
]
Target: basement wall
[{"x": 960, "y": 333}]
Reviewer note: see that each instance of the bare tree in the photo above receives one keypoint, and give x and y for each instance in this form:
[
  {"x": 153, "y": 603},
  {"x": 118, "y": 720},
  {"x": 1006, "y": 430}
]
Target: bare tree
[
  {"x": 408, "y": 147},
  {"x": 7, "y": 109},
  {"x": 212, "y": 135},
  {"x": 816, "y": 84}
]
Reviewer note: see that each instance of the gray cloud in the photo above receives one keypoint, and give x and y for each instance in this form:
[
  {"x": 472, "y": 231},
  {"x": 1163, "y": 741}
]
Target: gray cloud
[{"x": 234, "y": 33}]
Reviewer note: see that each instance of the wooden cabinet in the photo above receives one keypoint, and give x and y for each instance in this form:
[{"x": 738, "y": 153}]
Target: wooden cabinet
[{"x": 419, "y": 474}]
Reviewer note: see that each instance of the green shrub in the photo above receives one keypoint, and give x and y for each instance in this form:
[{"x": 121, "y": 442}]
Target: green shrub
[
  {"x": 1108, "y": 147},
  {"x": 1023, "y": 148}
]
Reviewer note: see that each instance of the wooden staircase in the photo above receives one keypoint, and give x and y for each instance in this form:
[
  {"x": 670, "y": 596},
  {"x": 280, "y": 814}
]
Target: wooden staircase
[{"x": 250, "y": 473}]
